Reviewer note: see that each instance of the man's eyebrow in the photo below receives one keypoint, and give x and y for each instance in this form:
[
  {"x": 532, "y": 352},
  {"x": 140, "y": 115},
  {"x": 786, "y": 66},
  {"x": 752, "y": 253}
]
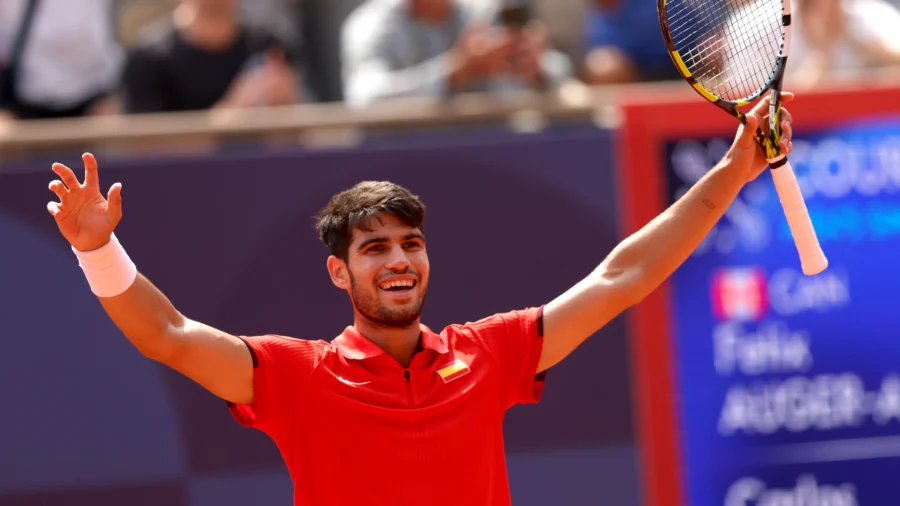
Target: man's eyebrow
[
  {"x": 371, "y": 241},
  {"x": 381, "y": 240}
]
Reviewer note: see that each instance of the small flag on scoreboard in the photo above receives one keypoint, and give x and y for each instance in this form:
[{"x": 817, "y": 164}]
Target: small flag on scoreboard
[{"x": 740, "y": 294}]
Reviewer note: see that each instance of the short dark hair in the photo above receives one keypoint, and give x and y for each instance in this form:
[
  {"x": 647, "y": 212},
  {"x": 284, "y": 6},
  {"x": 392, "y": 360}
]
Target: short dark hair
[{"x": 351, "y": 208}]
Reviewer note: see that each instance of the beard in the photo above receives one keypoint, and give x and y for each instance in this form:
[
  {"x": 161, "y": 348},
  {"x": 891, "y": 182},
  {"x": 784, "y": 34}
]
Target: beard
[{"x": 369, "y": 306}]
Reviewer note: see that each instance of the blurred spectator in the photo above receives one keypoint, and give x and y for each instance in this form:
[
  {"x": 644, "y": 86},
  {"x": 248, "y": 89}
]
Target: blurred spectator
[
  {"x": 134, "y": 15},
  {"x": 830, "y": 39},
  {"x": 565, "y": 24},
  {"x": 433, "y": 48},
  {"x": 841, "y": 38},
  {"x": 625, "y": 43},
  {"x": 281, "y": 17},
  {"x": 62, "y": 60},
  {"x": 204, "y": 56},
  {"x": 287, "y": 20},
  {"x": 563, "y": 20}
]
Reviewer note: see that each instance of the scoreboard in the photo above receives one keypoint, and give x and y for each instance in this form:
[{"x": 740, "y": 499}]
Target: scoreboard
[{"x": 758, "y": 385}]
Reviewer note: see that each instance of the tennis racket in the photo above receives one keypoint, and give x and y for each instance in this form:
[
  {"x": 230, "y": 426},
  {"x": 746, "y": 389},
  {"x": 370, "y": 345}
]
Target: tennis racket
[{"x": 732, "y": 52}]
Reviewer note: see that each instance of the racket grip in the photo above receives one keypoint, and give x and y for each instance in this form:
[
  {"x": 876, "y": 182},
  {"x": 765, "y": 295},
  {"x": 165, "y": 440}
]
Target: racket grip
[{"x": 812, "y": 259}]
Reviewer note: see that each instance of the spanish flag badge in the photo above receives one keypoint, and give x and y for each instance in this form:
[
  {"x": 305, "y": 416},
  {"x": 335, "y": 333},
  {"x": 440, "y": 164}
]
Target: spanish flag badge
[{"x": 453, "y": 370}]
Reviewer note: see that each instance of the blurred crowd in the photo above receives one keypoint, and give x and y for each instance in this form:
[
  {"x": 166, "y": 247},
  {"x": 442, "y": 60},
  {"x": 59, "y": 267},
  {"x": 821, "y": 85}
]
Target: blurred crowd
[{"x": 67, "y": 58}]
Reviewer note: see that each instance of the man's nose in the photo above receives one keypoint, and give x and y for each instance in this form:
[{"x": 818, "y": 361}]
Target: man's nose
[{"x": 398, "y": 260}]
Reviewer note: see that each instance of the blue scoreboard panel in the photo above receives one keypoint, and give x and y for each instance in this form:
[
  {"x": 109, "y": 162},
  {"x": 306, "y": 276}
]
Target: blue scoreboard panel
[{"x": 788, "y": 386}]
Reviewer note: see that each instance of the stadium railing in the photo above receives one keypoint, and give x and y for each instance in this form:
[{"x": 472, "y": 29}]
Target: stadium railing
[
  {"x": 336, "y": 125},
  {"x": 306, "y": 125}
]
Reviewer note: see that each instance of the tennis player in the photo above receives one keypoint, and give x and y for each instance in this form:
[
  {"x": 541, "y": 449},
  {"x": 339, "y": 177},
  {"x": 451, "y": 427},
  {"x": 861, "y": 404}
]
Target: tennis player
[{"x": 390, "y": 412}]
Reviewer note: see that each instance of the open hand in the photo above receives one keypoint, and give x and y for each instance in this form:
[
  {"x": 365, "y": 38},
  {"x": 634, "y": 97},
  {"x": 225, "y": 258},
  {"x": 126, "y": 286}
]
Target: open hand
[
  {"x": 746, "y": 152},
  {"x": 83, "y": 216}
]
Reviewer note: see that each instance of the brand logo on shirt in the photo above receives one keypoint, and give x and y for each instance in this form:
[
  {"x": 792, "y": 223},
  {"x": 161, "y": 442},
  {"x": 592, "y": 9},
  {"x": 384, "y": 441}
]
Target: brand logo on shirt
[
  {"x": 739, "y": 294},
  {"x": 453, "y": 370},
  {"x": 353, "y": 383}
]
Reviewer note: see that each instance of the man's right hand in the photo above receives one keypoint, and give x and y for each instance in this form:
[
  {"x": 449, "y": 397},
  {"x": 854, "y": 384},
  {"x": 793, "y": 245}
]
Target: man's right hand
[{"x": 83, "y": 216}]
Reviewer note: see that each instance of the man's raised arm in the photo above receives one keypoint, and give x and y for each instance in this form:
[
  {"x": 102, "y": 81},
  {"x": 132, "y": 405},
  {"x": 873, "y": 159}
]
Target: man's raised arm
[
  {"x": 218, "y": 361},
  {"x": 638, "y": 265}
]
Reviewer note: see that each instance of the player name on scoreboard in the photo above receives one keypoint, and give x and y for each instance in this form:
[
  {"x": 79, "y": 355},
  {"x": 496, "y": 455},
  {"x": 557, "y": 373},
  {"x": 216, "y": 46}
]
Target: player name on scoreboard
[{"x": 800, "y": 403}]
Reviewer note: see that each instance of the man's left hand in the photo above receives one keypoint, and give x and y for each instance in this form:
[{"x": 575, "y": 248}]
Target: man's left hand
[{"x": 745, "y": 152}]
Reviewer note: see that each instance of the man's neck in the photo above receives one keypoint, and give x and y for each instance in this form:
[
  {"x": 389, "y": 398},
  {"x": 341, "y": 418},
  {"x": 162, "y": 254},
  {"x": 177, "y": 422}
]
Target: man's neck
[
  {"x": 207, "y": 29},
  {"x": 399, "y": 343}
]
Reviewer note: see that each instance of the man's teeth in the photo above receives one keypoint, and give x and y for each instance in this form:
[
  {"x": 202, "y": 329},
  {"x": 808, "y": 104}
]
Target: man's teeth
[{"x": 397, "y": 284}]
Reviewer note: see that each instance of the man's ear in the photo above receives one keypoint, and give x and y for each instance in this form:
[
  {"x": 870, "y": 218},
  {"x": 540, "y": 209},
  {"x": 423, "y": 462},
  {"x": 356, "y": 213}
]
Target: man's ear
[{"x": 340, "y": 275}]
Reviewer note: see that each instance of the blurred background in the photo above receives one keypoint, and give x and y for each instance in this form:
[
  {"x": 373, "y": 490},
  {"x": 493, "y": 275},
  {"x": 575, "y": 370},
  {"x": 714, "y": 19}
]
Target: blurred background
[{"x": 539, "y": 133}]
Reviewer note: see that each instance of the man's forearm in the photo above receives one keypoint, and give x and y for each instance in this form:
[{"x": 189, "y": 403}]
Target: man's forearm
[
  {"x": 146, "y": 317},
  {"x": 649, "y": 256}
]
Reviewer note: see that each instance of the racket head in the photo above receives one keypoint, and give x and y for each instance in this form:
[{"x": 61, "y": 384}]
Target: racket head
[{"x": 730, "y": 51}]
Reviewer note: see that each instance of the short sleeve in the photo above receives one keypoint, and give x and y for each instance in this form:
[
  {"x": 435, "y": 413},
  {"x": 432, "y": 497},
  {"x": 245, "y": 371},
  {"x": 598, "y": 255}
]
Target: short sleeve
[
  {"x": 281, "y": 369},
  {"x": 515, "y": 339}
]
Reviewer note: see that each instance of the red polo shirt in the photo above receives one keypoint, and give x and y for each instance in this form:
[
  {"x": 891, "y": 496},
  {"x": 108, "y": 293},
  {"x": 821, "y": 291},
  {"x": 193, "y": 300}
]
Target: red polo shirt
[{"x": 356, "y": 428}]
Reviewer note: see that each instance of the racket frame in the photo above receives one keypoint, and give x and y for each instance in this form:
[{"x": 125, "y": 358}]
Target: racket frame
[
  {"x": 771, "y": 144},
  {"x": 812, "y": 258}
]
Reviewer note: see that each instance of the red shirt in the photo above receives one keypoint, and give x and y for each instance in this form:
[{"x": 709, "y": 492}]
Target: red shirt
[{"x": 356, "y": 428}]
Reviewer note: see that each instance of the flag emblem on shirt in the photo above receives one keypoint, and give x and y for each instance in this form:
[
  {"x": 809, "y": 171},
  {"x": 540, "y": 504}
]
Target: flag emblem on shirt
[
  {"x": 739, "y": 294},
  {"x": 453, "y": 370}
]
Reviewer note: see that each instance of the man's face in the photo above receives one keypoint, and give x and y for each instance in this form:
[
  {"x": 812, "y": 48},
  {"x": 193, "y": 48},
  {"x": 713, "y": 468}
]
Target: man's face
[{"x": 388, "y": 269}]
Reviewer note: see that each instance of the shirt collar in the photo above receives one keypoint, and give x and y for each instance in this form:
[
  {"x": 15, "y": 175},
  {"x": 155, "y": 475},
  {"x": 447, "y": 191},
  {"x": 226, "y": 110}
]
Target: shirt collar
[{"x": 355, "y": 346}]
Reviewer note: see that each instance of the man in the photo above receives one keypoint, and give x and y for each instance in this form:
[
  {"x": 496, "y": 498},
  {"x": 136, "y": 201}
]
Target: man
[
  {"x": 434, "y": 48},
  {"x": 390, "y": 412},
  {"x": 624, "y": 44},
  {"x": 203, "y": 57},
  {"x": 832, "y": 39},
  {"x": 60, "y": 58}
]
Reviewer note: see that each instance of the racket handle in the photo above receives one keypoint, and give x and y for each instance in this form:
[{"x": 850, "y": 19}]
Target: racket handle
[{"x": 812, "y": 259}]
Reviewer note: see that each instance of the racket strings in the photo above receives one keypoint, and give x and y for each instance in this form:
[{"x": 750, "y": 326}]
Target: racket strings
[
  {"x": 746, "y": 65},
  {"x": 734, "y": 83},
  {"x": 758, "y": 35},
  {"x": 691, "y": 25},
  {"x": 731, "y": 50}
]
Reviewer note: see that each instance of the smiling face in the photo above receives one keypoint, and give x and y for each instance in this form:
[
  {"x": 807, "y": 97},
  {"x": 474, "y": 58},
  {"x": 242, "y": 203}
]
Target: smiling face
[{"x": 386, "y": 271}]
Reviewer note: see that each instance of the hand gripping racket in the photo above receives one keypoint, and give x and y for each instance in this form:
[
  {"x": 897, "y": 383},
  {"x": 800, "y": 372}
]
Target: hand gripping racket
[{"x": 731, "y": 52}]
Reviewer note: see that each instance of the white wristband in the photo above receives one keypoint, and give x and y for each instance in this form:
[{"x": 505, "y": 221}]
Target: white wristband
[{"x": 108, "y": 269}]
